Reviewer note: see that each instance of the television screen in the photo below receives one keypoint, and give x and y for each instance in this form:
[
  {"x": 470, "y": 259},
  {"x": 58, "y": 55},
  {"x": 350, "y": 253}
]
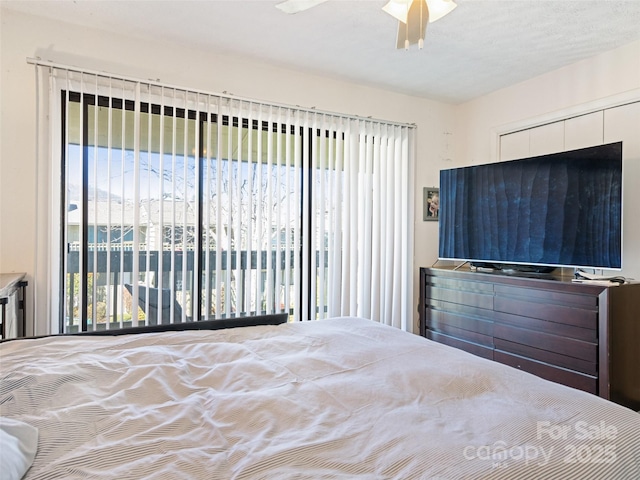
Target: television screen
[{"x": 558, "y": 210}]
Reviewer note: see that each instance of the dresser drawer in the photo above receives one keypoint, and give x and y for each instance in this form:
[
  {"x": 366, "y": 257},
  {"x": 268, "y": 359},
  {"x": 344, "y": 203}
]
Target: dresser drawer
[
  {"x": 556, "y": 374},
  {"x": 470, "y": 299},
  {"x": 476, "y": 349},
  {"x": 486, "y": 340},
  {"x": 577, "y": 317},
  {"x": 540, "y": 295},
  {"x": 553, "y": 328},
  {"x": 590, "y": 367},
  {"x": 439, "y": 320},
  {"x": 462, "y": 285},
  {"x": 544, "y": 341}
]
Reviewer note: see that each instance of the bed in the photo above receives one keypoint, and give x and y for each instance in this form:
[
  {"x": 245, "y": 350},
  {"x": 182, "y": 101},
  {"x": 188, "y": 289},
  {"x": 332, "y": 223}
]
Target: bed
[{"x": 343, "y": 398}]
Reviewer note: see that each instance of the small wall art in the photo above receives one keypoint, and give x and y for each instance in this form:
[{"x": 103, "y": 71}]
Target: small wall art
[{"x": 431, "y": 204}]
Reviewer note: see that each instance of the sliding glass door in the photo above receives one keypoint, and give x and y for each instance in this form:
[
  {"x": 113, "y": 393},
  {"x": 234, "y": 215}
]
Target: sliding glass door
[
  {"x": 195, "y": 214},
  {"x": 176, "y": 205}
]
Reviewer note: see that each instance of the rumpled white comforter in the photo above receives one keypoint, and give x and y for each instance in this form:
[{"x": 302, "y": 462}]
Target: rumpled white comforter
[{"x": 339, "y": 398}]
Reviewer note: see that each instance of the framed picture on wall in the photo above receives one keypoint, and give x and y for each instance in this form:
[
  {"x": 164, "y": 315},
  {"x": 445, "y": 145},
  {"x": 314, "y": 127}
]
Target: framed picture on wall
[{"x": 430, "y": 204}]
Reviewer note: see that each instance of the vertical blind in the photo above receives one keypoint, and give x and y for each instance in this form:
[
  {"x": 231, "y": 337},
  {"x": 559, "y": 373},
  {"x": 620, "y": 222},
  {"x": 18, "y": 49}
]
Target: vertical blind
[{"x": 178, "y": 205}]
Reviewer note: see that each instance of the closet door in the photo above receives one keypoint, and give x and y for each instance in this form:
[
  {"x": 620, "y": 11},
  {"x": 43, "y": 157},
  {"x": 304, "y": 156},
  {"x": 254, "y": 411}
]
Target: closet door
[
  {"x": 514, "y": 145},
  {"x": 532, "y": 142},
  {"x": 584, "y": 131},
  {"x": 547, "y": 139}
]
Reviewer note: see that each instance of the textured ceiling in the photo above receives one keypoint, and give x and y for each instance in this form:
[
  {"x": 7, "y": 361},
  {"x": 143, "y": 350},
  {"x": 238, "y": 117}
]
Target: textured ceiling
[{"x": 482, "y": 46}]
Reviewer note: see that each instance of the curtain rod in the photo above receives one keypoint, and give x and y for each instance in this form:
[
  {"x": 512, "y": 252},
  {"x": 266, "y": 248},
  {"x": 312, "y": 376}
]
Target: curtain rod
[{"x": 45, "y": 63}]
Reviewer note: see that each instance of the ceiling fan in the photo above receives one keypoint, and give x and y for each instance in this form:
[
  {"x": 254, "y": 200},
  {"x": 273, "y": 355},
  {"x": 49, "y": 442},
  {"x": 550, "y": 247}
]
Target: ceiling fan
[{"x": 412, "y": 16}]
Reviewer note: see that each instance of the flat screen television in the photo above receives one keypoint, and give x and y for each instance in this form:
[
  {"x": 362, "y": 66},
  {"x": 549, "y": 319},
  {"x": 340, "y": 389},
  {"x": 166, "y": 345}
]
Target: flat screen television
[{"x": 535, "y": 214}]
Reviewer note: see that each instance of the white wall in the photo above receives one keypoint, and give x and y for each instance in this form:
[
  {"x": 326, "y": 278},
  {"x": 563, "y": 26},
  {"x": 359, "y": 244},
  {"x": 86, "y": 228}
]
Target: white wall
[
  {"x": 25, "y": 36},
  {"x": 606, "y": 80}
]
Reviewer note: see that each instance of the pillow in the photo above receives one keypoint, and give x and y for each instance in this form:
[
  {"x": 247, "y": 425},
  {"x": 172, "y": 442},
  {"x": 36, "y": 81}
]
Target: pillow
[{"x": 19, "y": 444}]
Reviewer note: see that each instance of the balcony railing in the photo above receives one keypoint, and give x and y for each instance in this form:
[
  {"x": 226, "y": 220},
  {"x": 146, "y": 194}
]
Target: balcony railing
[{"x": 109, "y": 305}]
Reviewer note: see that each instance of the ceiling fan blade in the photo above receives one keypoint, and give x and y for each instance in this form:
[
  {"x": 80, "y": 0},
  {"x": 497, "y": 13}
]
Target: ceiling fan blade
[{"x": 295, "y": 6}]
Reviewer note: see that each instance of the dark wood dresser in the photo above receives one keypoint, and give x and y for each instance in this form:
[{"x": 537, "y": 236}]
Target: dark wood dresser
[{"x": 582, "y": 335}]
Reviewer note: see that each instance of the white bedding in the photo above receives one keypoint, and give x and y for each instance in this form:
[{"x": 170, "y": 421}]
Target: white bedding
[{"x": 339, "y": 398}]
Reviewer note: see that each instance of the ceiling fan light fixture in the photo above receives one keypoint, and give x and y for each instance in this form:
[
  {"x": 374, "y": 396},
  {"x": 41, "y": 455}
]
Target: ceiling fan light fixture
[
  {"x": 398, "y": 9},
  {"x": 439, "y": 8},
  {"x": 412, "y": 31},
  {"x": 413, "y": 16}
]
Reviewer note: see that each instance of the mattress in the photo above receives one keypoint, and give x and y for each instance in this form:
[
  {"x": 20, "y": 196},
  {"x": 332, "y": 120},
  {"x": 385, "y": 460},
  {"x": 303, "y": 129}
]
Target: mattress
[{"x": 330, "y": 399}]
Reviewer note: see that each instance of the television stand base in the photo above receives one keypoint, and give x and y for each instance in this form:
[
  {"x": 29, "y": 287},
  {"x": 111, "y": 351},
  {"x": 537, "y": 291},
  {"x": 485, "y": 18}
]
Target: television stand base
[{"x": 512, "y": 269}]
